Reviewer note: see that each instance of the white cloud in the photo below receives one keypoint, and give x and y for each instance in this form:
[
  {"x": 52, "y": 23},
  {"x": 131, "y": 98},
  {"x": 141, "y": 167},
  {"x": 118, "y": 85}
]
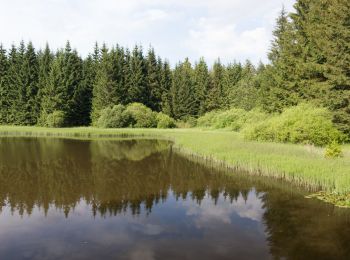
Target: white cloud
[
  {"x": 232, "y": 29},
  {"x": 206, "y": 213}
]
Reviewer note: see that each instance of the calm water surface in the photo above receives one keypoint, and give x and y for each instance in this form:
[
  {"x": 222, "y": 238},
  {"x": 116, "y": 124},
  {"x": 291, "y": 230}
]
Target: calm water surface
[{"x": 138, "y": 199}]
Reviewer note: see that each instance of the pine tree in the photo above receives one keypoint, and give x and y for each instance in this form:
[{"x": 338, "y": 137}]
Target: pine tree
[
  {"x": 182, "y": 91},
  {"x": 137, "y": 87},
  {"x": 232, "y": 75},
  {"x": 45, "y": 59},
  {"x": 83, "y": 94},
  {"x": 202, "y": 83},
  {"x": 12, "y": 85},
  {"x": 322, "y": 36},
  {"x": 31, "y": 81},
  {"x": 165, "y": 83},
  {"x": 244, "y": 94},
  {"x": 4, "y": 91},
  {"x": 153, "y": 82},
  {"x": 109, "y": 84},
  {"x": 216, "y": 90}
]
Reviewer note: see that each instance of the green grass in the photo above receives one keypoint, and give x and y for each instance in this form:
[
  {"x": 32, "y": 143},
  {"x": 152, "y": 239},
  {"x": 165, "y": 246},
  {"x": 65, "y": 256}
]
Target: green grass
[{"x": 301, "y": 164}]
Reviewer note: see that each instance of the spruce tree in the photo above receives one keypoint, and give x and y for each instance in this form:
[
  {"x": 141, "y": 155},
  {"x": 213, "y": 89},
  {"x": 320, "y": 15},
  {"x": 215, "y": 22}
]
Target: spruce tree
[
  {"x": 45, "y": 59},
  {"x": 183, "y": 91},
  {"x": 137, "y": 87},
  {"x": 165, "y": 83},
  {"x": 31, "y": 82},
  {"x": 202, "y": 84},
  {"x": 153, "y": 82},
  {"x": 216, "y": 90},
  {"x": 4, "y": 90}
]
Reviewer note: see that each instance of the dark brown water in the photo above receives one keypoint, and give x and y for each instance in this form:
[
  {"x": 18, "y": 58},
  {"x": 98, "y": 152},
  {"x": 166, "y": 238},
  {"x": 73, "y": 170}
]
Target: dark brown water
[{"x": 70, "y": 199}]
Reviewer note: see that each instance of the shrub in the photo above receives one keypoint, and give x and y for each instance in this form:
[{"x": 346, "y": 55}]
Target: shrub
[
  {"x": 55, "y": 119},
  {"x": 143, "y": 117},
  {"x": 248, "y": 118},
  {"x": 228, "y": 118},
  {"x": 208, "y": 119},
  {"x": 304, "y": 123},
  {"x": 333, "y": 150},
  {"x": 235, "y": 119},
  {"x": 165, "y": 121},
  {"x": 114, "y": 117}
]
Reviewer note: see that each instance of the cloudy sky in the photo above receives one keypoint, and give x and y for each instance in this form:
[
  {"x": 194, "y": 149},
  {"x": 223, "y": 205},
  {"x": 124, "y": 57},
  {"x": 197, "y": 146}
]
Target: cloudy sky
[{"x": 229, "y": 29}]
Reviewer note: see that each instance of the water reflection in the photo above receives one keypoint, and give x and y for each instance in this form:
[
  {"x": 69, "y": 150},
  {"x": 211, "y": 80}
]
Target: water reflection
[{"x": 139, "y": 200}]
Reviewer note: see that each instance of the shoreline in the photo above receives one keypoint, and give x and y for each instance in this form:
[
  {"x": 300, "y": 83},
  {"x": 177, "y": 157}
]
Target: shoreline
[{"x": 298, "y": 164}]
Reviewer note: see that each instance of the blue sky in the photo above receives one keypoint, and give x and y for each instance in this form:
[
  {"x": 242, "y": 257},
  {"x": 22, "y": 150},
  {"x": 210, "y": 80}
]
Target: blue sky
[{"x": 229, "y": 29}]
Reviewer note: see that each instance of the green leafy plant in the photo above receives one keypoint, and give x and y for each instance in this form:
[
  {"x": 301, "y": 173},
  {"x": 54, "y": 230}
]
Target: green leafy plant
[
  {"x": 143, "y": 117},
  {"x": 333, "y": 150},
  {"x": 165, "y": 121},
  {"x": 114, "y": 117},
  {"x": 55, "y": 119}
]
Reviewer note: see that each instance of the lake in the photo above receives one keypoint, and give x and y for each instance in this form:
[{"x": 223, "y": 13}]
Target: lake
[{"x": 140, "y": 199}]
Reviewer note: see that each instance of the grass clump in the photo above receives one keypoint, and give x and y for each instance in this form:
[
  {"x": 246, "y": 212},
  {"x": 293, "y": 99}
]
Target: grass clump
[
  {"x": 333, "y": 150},
  {"x": 304, "y": 123}
]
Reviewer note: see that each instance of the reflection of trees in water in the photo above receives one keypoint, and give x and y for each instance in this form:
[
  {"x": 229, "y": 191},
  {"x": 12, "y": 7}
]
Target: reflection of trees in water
[
  {"x": 120, "y": 176},
  {"x": 112, "y": 176},
  {"x": 298, "y": 228}
]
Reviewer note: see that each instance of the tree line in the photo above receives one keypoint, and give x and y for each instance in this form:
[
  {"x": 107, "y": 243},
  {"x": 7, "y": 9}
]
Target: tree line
[{"x": 309, "y": 61}]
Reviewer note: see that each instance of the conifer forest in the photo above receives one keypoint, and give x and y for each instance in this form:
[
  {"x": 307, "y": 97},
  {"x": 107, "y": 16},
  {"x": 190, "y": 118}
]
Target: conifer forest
[{"x": 309, "y": 61}]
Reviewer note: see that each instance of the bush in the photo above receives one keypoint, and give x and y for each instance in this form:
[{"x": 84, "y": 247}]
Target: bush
[
  {"x": 114, "y": 117},
  {"x": 333, "y": 150},
  {"x": 228, "y": 118},
  {"x": 165, "y": 121},
  {"x": 208, "y": 119},
  {"x": 143, "y": 117},
  {"x": 304, "y": 123},
  {"x": 55, "y": 119},
  {"x": 254, "y": 116},
  {"x": 235, "y": 119}
]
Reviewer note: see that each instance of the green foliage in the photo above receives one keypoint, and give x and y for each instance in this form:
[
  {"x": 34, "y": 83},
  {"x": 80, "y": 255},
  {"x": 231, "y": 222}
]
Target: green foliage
[
  {"x": 55, "y": 119},
  {"x": 143, "y": 117},
  {"x": 208, "y": 119},
  {"x": 114, "y": 117},
  {"x": 304, "y": 123},
  {"x": 165, "y": 121},
  {"x": 234, "y": 119},
  {"x": 333, "y": 150}
]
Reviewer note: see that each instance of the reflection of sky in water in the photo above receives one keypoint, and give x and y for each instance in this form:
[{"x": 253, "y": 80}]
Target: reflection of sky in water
[{"x": 174, "y": 228}]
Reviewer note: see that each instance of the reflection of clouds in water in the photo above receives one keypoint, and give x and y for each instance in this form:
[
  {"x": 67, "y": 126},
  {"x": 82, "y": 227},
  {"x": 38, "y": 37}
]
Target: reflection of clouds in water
[
  {"x": 149, "y": 229},
  {"x": 142, "y": 252},
  {"x": 252, "y": 209}
]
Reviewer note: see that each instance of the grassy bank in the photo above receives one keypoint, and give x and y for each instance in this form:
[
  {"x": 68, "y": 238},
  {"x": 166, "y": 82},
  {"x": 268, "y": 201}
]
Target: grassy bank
[{"x": 300, "y": 164}]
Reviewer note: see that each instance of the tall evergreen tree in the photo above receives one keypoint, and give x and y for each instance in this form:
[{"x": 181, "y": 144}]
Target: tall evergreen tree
[
  {"x": 216, "y": 90},
  {"x": 153, "y": 81},
  {"x": 137, "y": 87},
  {"x": 202, "y": 84},
  {"x": 165, "y": 83},
  {"x": 31, "y": 82},
  {"x": 182, "y": 91},
  {"x": 45, "y": 59},
  {"x": 4, "y": 90}
]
